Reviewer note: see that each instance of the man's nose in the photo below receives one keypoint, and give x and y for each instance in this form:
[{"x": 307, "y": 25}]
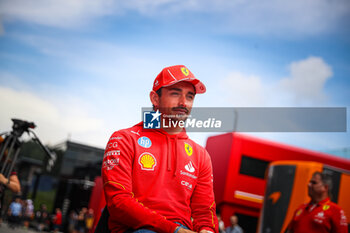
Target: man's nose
[{"x": 182, "y": 101}]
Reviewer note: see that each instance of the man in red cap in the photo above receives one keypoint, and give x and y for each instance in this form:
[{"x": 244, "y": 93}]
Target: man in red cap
[
  {"x": 320, "y": 215},
  {"x": 159, "y": 180}
]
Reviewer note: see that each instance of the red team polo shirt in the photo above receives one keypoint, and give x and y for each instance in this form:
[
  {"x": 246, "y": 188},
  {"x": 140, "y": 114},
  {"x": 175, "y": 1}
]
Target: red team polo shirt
[{"x": 323, "y": 217}]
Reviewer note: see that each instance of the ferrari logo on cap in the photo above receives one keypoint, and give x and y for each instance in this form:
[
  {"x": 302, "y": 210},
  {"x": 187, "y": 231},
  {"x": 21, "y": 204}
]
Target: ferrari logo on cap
[
  {"x": 185, "y": 71},
  {"x": 188, "y": 149}
]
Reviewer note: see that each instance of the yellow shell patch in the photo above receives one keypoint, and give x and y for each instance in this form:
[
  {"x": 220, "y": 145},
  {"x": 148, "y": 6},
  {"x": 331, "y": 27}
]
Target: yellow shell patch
[
  {"x": 325, "y": 207},
  {"x": 147, "y": 161},
  {"x": 185, "y": 71},
  {"x": 188, "y": 149}
]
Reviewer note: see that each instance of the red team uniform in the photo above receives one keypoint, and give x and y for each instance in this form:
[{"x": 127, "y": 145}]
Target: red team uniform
[
  {"x": 154, "y": 180},
  {"x": 323, "y": 217}
]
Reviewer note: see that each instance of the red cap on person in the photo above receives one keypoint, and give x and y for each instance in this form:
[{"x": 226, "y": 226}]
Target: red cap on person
[{"x": 174, "y": 74}]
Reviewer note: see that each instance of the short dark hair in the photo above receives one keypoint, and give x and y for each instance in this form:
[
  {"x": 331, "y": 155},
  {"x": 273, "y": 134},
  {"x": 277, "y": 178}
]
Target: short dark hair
[
  {"x": 159, "y": 93},
  {"x": 326, "y": 180}
]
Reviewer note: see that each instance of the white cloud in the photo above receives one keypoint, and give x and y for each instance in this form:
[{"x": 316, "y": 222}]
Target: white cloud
[
  {"x": 299, "y": 17},
  {"x": 285, "y": 18},
  {"x": 53, "y": 123},
  {"x": 307, "y": 80},
  {"x": 244, "y": 90},
  {"x": 66, "y": 13},
  {"x": 305, "y": 86}
]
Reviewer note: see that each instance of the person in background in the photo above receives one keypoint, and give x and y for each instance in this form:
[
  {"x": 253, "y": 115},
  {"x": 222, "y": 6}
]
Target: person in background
[
  {"x": 72, "y": 222},
  {"x": 81, "y": 227},
  {"x": 12, "y": 182},
  {"x": 43, "y": 218},
  {"x": 234, "y": 228},
  {"x": 320, "y": 215},
  {"x": 15, "y": 213},
  {"x": 28, "y": 212},
  {"x": 221, "y": 224},
  {"x": 89, "y": 220},
  {"x": 57, "y": 220}
]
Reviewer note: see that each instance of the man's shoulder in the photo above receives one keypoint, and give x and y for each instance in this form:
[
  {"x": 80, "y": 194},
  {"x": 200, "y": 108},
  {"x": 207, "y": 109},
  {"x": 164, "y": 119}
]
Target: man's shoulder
[
  {"x": 303, "y": 206},
  {"x": 332, "y": 205},
  {"x": 300, "y": 208},
  {"x": 195, "y": 144},
  {"x": 133, "y": 130}
]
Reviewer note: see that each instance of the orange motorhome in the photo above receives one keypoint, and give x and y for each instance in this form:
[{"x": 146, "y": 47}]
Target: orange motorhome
[
  {"x": 240, "y": 163},
  {"x": 287, "y": 188}
]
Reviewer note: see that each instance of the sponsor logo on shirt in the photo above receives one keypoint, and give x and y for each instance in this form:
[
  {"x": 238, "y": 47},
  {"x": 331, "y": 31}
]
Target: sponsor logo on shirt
[
  {"x": 188, "y": 174},
  {"x": 186, "y": 184},
  {"x": 343, "y": 220},
  {"x": 189, "y": 167},
  {"x": 137, "y": 133},
  {"x": 299, "y": 212},
  {"x": 147, "y": 161},
  {"x": 112, "y": 153},
  {"x": 320, "y": 215},
  {"x": 325, "y": 207},
  {"x": 144, "y": 142},
  {"x": 188, "y": 149},
  {"x": 109, "y": 163},
  {"x": 112, "y": 145}
]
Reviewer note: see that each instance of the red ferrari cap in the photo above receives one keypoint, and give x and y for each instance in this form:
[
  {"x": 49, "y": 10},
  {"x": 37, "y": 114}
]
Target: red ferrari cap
[{"x": 174, "y": 74}]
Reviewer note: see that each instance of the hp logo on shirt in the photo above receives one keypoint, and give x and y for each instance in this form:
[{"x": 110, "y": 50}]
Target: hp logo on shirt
[{"x": 151, "y": 119}]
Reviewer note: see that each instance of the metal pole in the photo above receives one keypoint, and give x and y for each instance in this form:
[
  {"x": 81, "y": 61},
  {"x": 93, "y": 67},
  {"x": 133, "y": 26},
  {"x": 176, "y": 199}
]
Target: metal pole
[
  {"x": 7, "y": 141},
  {"x": 8, "y": 155}
]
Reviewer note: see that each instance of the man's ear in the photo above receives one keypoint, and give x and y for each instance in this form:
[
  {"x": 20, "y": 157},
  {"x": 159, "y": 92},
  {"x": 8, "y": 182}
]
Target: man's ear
[{"x": 154, "y": 97}]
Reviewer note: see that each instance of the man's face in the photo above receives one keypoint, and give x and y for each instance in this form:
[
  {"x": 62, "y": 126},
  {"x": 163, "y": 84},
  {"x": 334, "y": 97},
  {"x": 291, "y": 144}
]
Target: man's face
[
  {"x": 176, "y": 101},
  {"x": 316, "y": 186},
  {"x": 233, "y": 220}
]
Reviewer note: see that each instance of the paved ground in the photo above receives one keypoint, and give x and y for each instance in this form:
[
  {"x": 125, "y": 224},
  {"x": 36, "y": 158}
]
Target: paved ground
[{"x": 5, "y": 229}]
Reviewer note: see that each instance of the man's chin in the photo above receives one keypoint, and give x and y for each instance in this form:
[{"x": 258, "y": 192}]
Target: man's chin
[
  {"x": 176, "y": 118},
  {"x": 179, "y": 119}
]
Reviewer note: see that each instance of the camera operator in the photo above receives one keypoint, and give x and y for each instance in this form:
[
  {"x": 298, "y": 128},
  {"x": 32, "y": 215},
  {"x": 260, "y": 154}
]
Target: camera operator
[{"x": 12, "y": 182}]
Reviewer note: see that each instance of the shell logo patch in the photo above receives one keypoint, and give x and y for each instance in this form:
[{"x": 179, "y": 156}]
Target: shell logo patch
[
  {"x": 185, "y": 71},
  {"x": 147, "y": 161},
  {"x": 188, "y": 149},
  {"x": 325, "y": 207}
]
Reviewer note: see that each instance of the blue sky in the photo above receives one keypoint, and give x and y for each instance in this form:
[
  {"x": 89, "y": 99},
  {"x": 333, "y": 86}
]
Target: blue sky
[{"x": 84, "y": 68}]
